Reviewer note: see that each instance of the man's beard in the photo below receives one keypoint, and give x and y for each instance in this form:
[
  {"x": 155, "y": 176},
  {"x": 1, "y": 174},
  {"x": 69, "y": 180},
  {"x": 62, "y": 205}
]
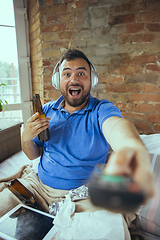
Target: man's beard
[{"x": 76, "y": 102}]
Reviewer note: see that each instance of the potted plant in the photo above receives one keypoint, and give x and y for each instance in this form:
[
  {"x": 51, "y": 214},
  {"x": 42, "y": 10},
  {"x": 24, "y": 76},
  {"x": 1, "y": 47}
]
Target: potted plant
[{"x": 2, "y": 102}]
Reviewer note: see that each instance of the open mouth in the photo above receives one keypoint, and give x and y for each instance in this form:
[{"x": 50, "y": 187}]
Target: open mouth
[{"x": 75, "y": 91}]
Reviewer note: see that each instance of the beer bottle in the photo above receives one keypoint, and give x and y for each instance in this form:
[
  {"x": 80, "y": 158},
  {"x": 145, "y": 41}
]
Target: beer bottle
[{"x": 37, "y": 107}]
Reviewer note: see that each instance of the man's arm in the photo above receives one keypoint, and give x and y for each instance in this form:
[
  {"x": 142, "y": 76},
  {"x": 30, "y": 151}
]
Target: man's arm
[
  {"x": 130, "y": 155},
  {"x": 33, "y": 127}
]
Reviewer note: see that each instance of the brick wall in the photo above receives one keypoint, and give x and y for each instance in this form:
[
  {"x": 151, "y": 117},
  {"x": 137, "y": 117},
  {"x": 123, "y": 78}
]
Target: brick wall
[{"x": 121, "y": 38}]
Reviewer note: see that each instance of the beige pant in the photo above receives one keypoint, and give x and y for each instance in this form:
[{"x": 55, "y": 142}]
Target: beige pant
[{"x": 46, "y": 195}]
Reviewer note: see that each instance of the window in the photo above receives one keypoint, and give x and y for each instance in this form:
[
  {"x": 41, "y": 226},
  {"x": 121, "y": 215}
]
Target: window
[{"x": 14, "y": 60}]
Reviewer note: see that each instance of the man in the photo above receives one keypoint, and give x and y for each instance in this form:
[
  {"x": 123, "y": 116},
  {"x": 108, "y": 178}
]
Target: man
[{"x": 81, "y": 130}]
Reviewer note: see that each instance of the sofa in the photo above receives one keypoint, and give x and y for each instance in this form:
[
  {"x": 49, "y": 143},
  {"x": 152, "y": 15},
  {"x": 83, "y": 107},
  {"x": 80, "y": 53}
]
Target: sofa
[{"x": 148, "y": 216}]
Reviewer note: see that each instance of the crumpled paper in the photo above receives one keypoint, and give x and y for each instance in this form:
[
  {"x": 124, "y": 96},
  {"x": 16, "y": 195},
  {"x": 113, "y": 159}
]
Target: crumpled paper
[
  {"x": 75, "y": 194},
  {"x": 99, "y": 225}
]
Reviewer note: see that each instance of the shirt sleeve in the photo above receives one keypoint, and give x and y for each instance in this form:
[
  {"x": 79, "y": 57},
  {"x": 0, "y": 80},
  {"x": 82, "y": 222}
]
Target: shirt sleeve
[{"x": 106, "y": 110}]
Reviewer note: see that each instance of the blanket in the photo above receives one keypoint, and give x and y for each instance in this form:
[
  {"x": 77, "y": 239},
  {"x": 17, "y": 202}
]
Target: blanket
[{"x": 46, "y": 195}]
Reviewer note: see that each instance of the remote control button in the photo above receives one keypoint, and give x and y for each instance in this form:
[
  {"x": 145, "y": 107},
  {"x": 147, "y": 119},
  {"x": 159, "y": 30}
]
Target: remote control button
[
  {"x": 133, "y": 187},
  {"x": 109, "y": 178},
  {"x": 116, "y": 201}
]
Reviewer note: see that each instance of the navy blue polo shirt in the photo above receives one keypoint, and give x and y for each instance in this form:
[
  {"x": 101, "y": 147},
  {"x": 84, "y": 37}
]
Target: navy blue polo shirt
[{"x": 76, "y": 143}]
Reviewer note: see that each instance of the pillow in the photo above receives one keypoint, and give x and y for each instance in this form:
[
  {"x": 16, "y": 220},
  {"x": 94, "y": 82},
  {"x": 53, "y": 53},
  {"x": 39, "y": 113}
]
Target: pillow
[{"x": 148, "y": 216}]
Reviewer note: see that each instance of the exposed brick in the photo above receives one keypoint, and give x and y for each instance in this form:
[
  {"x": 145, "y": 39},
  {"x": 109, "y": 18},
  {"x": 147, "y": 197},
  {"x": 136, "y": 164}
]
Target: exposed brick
[
  {"x": 66, "y": 16},
  {"x": 126, "y": 106},
  {"x": 84, "y": 34},
  {"x": 143, "y": 59},
  {"x": 144, "y": 107},
  {"x": 134, "y": 28},
  {"x": 46, "y": 45},
  {"x": 126, "y": 54},
  {"x": 150, "y": 88},
  {"x": 53, "y": 28},
  {"x": 79, "y": 43},
  {"x": 157, "y": 128},
  {"x": 128, "y": 18},
  {"x": 112, "y": 78},
  {"x": 51, "y": 54},
  {"x": 153, "y": 27},
  {"x": 130, "y": 69},
  {"x": 66, "y": 35},
  {"x": 153, "y": 67},
  {"x": 74, "y": 6},
  {"x": 98, "y": 12},
  {"x": 148, "y": 37},
  {"x": 152, "y": 47},
  {"x": 127, "y": 38},
  {"x": 53, "y": 9},
  {"x": 50, "y": 36},
  {"x": 98, "y": 22},
  {"x": 134, "y": 117},
  {"x": 54, "y": 94},
  {"x": 149, "y": 16},
  {"x": 49, "y": 2},
  {"x": 47, "y": 79},
  {"x": 58, "y": 44},
  {"x": 127, "y": 8},
  {"x": 100, "y": 31},
  {"x": 82, "y": 24},
  {"x": 144, "y": 97},
  {"x": 51, "y": 19},
  {"x": 153, "y": 4},
  {"x": 116, "y": 30},
  {"x": 154, "y": 118},
  {"x": 114, "y": 97},
  {"x": 142, "y": 127},
  {"x": 157, "y": 107},
  {"x": 47, "y": 62},
  {"x": 134, "y": 48},
  {"x": 123, "y": 88}
]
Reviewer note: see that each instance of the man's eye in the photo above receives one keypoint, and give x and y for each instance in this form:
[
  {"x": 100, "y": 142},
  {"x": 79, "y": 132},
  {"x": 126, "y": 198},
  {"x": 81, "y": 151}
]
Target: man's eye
[
  {"x": 67, "y": 74},
  {"x": 81, "y": 74}
]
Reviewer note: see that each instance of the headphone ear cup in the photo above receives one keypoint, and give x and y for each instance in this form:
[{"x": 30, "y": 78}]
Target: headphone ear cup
[
  {"x": 55, "y": 77},
  {"x": 94, "y": 77},
  {"x": 55, "y": 80}
]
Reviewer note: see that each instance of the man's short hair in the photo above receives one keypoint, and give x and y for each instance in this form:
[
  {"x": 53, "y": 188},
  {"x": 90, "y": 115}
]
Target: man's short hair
[{"x": 72, "y": 54}]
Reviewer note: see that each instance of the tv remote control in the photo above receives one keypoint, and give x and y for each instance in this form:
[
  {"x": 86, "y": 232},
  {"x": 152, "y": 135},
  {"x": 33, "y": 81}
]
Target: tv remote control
[{"x": 115, "y": 193}]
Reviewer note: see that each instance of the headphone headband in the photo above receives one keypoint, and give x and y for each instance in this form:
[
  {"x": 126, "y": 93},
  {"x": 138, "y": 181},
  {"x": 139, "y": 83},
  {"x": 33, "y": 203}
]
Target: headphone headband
[{"x": 55, "y": 76}]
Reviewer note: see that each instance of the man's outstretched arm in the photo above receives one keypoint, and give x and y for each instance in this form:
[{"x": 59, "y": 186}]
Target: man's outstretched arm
[{"x": 130, "y": 156}]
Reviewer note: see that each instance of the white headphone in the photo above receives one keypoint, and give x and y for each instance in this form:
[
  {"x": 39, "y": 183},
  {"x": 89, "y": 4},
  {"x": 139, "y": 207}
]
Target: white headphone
[{"x": 55, "y": 76}]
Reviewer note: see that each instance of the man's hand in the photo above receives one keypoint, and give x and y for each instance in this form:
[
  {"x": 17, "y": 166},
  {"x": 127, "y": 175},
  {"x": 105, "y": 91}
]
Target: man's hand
[
  {"x": 34, "y": 126},
  {"x": 133, "y": 163}
]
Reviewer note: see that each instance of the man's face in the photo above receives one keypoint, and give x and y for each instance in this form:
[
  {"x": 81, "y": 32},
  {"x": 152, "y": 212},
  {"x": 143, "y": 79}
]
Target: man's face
[{"x": 75, "y": 83}]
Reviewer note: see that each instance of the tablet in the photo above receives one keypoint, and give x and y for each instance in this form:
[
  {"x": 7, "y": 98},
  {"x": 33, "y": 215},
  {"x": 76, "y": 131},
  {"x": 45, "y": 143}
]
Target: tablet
[{"x": 26, "y": 223}]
